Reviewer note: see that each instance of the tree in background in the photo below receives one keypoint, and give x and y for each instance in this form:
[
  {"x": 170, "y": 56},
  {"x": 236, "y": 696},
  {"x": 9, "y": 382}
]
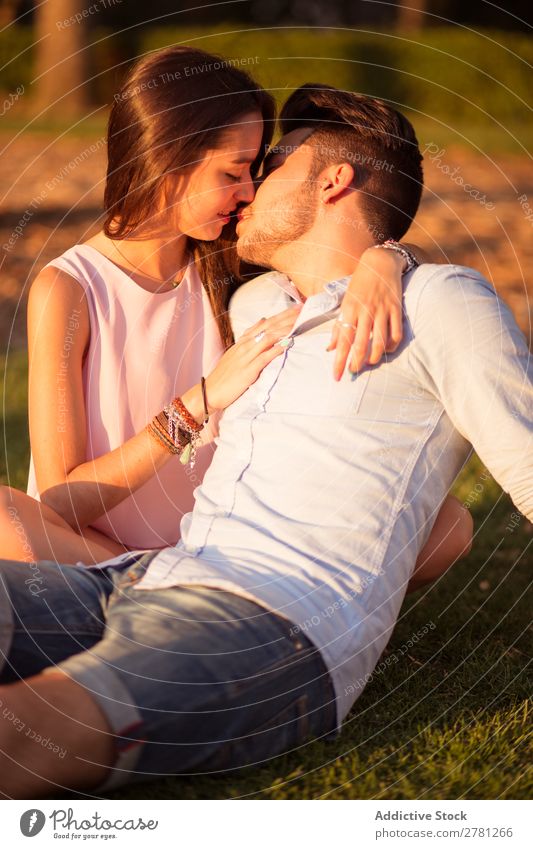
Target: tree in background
[
  {"x": 61, "y": 57},
  {"x": 8, "y": 12},
  {"x": 411, "y": 15}
]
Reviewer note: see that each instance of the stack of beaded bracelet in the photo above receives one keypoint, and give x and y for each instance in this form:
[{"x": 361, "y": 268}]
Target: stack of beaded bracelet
[
  {"x": 177, "y": 430},
  {"x": 182, "y": 424},
  {"x": 158, "y": 429}
]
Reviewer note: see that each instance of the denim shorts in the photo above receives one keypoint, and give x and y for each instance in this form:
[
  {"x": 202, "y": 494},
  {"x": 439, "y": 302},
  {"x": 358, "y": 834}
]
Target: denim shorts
[{"x": 191, "y": 679}]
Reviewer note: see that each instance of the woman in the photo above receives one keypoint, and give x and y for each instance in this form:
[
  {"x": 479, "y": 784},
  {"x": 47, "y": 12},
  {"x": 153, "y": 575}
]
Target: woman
[{"x": 123, "y": 324}]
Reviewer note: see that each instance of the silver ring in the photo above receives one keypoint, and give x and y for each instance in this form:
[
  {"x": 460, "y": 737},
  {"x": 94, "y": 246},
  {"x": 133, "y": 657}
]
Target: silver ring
[
  {"x": 259, "y": 336},
  {"x": 340, "y": 320}
]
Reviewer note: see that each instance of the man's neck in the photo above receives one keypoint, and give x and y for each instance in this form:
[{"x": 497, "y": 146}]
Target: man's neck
[
  {"x": 310, "y": 263},
  {"x": 330, "y": 250}
]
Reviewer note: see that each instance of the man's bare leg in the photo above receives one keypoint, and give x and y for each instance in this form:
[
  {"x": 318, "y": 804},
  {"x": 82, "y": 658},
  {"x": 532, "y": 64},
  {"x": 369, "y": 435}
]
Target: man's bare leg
[{"x": 64, "y": 713}]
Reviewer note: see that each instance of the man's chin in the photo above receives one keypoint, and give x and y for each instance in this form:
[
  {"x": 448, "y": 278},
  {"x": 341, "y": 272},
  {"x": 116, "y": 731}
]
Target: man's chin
[{"x": 244, "y": 248}]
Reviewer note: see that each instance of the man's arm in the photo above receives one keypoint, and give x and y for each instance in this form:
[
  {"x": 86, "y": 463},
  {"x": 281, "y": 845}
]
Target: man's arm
[{"x": 469, "y": 351}]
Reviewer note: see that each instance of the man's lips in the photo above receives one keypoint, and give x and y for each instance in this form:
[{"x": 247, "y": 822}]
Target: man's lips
[{"x": 242, "y": 213}]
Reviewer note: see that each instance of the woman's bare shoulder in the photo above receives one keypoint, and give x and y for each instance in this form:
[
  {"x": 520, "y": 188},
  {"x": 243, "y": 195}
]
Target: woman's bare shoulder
[
  {"x": 56, "y": 284},
  {"x": 55, "y": 298}
]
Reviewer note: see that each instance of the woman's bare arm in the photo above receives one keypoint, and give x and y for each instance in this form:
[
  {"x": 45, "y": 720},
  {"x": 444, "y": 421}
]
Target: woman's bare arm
[{"x": 58, "y": 337}]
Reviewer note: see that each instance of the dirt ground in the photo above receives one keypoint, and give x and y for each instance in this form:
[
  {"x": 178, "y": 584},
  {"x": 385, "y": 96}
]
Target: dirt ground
[{"x": 476, "y": 210}]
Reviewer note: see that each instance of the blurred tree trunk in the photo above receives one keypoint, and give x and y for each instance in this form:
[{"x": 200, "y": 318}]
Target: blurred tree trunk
[
  {"x": 411, "y": 15},
  {"x": 60, "y": 67},
  {"x": 8, "y": 12}
]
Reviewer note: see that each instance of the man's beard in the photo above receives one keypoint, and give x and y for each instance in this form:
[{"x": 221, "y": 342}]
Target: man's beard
[{"x": 291, "y": 218}]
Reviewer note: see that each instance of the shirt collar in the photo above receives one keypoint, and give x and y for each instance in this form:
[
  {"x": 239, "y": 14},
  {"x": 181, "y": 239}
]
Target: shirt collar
[{"x": 335, "y": 288}]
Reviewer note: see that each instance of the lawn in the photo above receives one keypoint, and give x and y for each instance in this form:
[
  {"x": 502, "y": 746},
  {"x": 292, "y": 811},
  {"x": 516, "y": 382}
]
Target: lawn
[{"x": 448, "y": 715}]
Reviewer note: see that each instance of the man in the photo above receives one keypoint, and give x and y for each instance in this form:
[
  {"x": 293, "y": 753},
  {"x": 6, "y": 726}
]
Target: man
[{"x": 262, "y": 626}]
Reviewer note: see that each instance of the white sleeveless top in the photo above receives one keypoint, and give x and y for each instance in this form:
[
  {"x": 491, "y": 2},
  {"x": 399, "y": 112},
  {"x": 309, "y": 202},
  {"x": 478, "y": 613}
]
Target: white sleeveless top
[{"x": 144, "y": 350}]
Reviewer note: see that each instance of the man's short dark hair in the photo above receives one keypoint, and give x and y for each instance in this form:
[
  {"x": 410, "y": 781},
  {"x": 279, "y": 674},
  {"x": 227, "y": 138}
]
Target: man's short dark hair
[{"x": 379, "y": 142}]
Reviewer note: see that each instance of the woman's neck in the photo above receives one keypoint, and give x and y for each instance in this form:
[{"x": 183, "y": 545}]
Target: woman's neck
[{"x": 157, "y": 262}]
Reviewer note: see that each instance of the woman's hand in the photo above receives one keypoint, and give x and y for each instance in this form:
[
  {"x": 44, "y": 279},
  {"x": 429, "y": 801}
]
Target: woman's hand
[
  {"x": 242, "y": 364},
  {"x": 371, "y": 312}
]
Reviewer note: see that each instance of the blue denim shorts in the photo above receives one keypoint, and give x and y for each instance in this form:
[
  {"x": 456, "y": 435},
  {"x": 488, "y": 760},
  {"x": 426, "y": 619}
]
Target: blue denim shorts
[{"x": 191, "y": 679}]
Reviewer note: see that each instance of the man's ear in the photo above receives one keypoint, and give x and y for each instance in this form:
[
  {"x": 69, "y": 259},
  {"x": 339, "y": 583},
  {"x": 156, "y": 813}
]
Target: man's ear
[{"x": 335, "y": 181}]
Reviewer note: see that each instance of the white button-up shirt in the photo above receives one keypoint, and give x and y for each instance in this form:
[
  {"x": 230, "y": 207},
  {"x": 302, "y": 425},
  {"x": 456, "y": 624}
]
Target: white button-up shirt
[{"x": 321, "y": 494}]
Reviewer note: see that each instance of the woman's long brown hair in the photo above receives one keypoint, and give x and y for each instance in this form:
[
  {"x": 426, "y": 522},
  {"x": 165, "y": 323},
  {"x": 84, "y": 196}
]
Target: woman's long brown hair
[{"x": 173, "y": 106}]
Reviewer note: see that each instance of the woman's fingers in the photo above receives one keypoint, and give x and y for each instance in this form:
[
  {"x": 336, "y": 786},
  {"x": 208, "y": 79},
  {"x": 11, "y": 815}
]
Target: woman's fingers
[
  {"x": 253, "y": 330},
  {"x": 361, "y": 343},
  {"x": 282, "y": 321},
  {"x": 395, "y": 329},
  {"x": 334, "y": 337},
  {"x": 266, "y": 342},
  {"x": 267, "y": 356},
  {"x": 345, "y": 338},
  {"x": 380, "y": 337}
]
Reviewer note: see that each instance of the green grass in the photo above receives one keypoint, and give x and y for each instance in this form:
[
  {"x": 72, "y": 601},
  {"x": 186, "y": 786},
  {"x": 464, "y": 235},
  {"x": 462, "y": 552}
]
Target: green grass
[
  {"x": 448, "y": 719},
  {"x": 15, "y": 451}
]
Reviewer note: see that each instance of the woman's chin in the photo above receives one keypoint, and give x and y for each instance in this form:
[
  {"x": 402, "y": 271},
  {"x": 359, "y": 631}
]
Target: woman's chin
[{"x": 209, "y": 233}]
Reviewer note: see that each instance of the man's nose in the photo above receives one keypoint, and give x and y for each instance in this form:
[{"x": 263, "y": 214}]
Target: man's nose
[{"x": 246, "y": 192}]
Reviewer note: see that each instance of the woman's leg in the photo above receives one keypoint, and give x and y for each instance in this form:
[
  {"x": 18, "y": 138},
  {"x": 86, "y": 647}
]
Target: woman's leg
[
  {"x": 32, "y": 531},
  {"x": 449, "y": 540}
]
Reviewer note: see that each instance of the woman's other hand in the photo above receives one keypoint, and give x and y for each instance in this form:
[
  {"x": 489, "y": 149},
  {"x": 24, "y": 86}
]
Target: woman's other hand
[{"x": 242, "y": 364}]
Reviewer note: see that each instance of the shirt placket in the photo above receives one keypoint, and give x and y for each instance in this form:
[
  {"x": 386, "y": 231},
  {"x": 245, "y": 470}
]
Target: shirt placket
[{"x": 316, "y": 309}]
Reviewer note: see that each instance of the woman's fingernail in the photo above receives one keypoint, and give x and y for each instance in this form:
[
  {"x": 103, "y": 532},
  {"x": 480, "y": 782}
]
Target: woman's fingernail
[{"x": 353, "y": 374}]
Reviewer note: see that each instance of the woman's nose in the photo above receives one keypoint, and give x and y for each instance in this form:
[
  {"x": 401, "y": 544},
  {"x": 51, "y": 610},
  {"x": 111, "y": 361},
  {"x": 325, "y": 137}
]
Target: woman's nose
[{"x": 246, "y": 192}]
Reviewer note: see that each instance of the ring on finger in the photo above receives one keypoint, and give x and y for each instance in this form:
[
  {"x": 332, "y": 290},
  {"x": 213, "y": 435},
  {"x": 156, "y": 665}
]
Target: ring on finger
[
  {"x": 259, "y": 336},
  {"x": 346, "y": 324}
]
